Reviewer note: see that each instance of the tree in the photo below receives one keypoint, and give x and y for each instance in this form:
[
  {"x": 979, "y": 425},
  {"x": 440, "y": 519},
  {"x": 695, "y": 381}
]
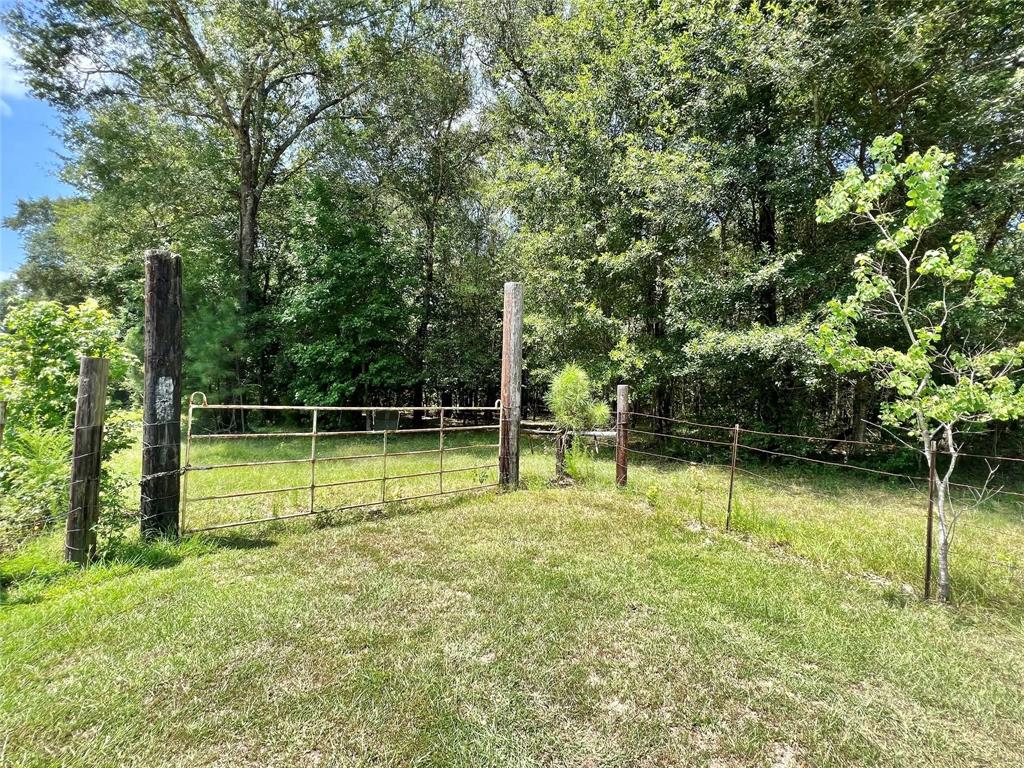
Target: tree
[
  {"x": 343, "y": 321},
  {"x": 45, "y": 271},
  {"x": 259, "y": 75},
  {"x": 422, "y": 143},
  {"x": 948, "y": 366}
]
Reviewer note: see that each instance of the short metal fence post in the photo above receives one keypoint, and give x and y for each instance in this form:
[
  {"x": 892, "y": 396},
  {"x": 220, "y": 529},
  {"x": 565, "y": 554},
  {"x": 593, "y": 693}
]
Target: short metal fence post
[
  {"x": 384, "y": 473},
  {"x": 732, "y": 474},
  {"x": 312, "y": 464}
]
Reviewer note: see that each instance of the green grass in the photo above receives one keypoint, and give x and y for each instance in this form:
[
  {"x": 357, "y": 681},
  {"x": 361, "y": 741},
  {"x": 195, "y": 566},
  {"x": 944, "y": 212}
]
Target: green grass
[{"x": 559, "y": 626}]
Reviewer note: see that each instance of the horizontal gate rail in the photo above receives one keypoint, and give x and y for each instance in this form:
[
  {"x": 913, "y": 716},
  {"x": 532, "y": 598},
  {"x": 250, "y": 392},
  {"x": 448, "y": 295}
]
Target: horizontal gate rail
[
  {"x": 235, "y": 465},
  {"x": 323, "y": 459},
  {"x": 313, "y": 459},
  {"x": 345, "y": 408},
  {"x": 446, "y": 449},
  {"x": 240, "y": 494},
  {"x": 345, "y": 433},
  {"x": 341, "y": 508}
]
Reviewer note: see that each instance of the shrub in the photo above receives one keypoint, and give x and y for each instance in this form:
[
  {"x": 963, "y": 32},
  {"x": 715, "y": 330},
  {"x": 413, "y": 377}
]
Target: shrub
[
  {"x": 40, "y": 346},
  {"x": 34, "y": 473}
]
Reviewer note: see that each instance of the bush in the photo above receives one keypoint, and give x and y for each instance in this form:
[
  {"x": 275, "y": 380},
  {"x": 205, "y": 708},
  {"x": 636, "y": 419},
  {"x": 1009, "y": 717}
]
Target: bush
[
  {"x": 35, "y": 469},
  {"x": 40, "y": 346},
  {"x": 34, "y": 474}
]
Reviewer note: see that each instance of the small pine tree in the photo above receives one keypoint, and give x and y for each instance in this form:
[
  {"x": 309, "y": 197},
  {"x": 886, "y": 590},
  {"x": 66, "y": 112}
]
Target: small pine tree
[{"x": 576, "y": 410}]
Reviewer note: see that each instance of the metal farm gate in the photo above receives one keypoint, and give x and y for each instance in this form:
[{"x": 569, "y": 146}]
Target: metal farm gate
[{"x": 381, "y": 460}]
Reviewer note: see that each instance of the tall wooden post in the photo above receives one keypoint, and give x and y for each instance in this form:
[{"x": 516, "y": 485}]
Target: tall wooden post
[
  {"x": 621, "y": 433},
  {"x": 732, "y": 474},
  {"x": 932, "y": 477},
  {"x": 511, "y": 385},
  {"x": 84, "y": 501},
  {"x": 161, "y": 405}
]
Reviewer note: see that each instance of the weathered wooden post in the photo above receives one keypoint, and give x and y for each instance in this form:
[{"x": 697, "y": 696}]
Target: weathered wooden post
[
  {"x": 932, "y": 477},
  {"x": 511, "y": 385},
  {"x": 732, "y": 474},
  {"x": 161, "y": 405},
  {"x": 84, "y": 497},
  {"x": 621, "y": 433}
]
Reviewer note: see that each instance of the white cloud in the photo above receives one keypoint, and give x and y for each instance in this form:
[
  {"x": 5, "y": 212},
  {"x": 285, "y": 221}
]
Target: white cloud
[
  {"x": 6, "y": 276},
  {"x": 11, "y": 84}
]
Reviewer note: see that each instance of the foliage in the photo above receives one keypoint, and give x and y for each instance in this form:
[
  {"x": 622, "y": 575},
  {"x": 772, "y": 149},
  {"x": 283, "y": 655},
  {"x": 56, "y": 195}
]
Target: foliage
[
  {"x": 41, "y": 343},
  {"x": 40, "y": 346},
  {"x": 572, "y": 403},
  {"x": 766, "y": 377},
  {"x": 342, "y": 321},
  {"x": 34, "y": 468},
  {"x": 953, "y": 367},
  {"x": 650, "y": 170}
]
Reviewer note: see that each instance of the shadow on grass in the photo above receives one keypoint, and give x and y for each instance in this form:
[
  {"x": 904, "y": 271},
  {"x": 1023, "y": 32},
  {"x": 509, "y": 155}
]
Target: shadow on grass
[{"x": 37, "y": 572}]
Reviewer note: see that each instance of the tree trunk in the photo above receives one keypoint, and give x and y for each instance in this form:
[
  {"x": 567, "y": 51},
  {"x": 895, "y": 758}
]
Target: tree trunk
[
  {"x": 861, "y": 401},
  {"x": 248, "y": 227},
  {"x": 426, "y": 316},
  {"x": 942, "y": 491},
  {"x": 765, "y": 237}
]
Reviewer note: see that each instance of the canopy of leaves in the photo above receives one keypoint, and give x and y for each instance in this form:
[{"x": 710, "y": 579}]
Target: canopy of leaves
[{"x": 349, "y": 183}]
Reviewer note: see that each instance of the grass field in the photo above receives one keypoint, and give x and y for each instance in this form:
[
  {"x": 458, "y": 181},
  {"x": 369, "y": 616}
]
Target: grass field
[{"x": 559, "y": 626}]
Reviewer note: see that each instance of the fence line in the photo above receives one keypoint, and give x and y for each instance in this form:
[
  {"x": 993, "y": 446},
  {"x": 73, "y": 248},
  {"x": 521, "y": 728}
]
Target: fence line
[
  {"x": 981, "y": 492},
  {"x": 844, "y": 465}
]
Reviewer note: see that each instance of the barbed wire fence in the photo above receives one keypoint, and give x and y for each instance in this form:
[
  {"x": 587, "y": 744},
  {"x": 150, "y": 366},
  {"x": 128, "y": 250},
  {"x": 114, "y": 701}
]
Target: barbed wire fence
[{"x": 674, "y": 441}]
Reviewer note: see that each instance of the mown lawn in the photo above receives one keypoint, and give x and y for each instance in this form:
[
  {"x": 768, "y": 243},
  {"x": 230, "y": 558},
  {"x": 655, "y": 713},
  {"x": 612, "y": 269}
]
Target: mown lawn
[{"x": 557, "y": 626}]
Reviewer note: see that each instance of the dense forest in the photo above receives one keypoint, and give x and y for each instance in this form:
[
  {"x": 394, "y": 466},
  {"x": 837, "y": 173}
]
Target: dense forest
[{"x": 349, "y": 182}]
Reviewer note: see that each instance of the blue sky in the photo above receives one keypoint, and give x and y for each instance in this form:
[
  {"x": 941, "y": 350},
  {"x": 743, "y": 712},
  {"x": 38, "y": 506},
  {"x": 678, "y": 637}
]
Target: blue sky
[{"x": 29, "y": 162}]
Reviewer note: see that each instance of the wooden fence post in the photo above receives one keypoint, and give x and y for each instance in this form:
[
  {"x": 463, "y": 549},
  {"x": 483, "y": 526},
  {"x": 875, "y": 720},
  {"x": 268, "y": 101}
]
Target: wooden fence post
[
  {"x": 3, "y": 420},
  {"x": 161, "y": 405},
  {"x": 732, "y": 474},
  {"x": 621, "y": 433},
  {"x": 932, "y": 475},
  {"x": 84, "y": 497},
  {"x": 511, "y": 385}
]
